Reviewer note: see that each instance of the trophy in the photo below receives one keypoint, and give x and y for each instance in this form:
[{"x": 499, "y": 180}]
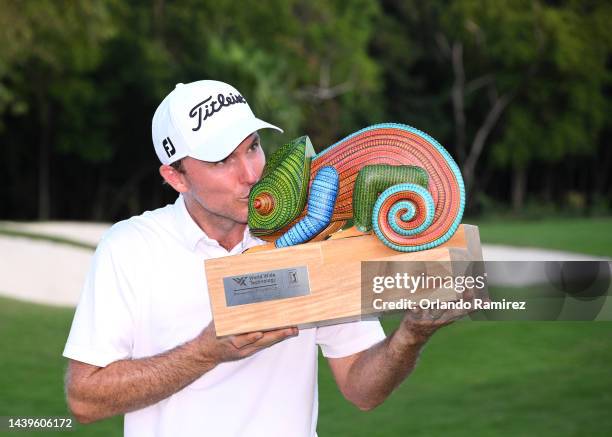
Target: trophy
[{"x": 388, "y": 192}]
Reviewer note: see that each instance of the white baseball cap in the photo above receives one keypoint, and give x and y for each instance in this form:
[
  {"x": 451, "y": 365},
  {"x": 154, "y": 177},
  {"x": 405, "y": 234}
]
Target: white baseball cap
[{"x": 206, "y": 120}]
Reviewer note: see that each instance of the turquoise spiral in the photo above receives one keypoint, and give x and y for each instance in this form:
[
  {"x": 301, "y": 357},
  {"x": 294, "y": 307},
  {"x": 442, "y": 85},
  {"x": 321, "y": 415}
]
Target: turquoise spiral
[{"x": 380, "y": 220}]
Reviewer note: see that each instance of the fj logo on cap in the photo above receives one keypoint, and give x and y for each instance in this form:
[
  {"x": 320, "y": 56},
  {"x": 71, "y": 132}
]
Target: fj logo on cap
[
  {"x": 212, "y": 106},
  {"x": 168, "y": 147}
]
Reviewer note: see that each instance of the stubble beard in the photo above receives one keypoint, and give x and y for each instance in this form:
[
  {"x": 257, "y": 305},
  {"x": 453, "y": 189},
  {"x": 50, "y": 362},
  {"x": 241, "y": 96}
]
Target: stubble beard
[{"x": 236, "y": 213}]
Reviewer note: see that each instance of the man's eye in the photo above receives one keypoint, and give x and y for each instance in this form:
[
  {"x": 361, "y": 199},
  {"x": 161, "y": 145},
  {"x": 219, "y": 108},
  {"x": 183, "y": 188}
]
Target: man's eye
[{"x": 255, "y": 145}]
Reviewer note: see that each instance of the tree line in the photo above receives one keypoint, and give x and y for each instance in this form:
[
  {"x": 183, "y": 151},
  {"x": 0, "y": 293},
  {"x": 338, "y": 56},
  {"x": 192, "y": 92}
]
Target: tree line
[{"x": 517, "y": 90}]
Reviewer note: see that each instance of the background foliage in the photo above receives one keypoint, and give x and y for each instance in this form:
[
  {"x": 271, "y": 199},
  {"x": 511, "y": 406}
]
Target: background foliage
[{"x": 517, "y": 90}]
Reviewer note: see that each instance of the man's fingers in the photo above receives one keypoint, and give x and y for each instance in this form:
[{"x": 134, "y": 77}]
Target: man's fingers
[
  {"x": 262, "y": 339},
  {"x": 268, "y": 339},
  {"x": 452, "y": 314},
  {"x": 242, "y": 340},
  {"x": 434, "y": 316},
  {"x": 275, "y": 336}
]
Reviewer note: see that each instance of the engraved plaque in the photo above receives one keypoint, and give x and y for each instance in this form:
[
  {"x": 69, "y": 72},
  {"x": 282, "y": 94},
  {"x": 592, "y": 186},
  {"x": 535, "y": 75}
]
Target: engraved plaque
[{"x": 265, "y": 286}]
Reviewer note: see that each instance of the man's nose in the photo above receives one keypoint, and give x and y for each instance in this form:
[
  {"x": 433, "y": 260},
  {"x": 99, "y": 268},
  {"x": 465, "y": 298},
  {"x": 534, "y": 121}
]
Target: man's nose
[{"x": 249, "y": 172}]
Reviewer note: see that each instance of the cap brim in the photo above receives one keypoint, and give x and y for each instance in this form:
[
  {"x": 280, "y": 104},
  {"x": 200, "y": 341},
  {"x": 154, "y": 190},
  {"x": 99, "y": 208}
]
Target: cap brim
[{"x": 221, "y": 146}]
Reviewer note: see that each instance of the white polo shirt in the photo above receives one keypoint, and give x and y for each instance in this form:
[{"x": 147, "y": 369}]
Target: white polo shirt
[{"x": 146, "y": 293}]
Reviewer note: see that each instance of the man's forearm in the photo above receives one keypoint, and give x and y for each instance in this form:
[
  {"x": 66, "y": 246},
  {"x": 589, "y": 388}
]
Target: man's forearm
[
  {"x": 128, "y": 385},
  {"x": 380, "y": 369}
]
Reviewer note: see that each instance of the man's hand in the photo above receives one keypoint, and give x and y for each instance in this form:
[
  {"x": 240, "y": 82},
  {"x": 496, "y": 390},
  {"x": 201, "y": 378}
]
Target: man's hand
[
  {"x": 94, "y": 393},
  {"x": 419, "y": 324},
  {"x": 235, "y": 347},
  {"x": 368, "y": 377}
]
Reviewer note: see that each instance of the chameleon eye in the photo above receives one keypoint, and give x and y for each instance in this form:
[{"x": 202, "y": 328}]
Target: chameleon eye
[{"x": 264, "y": 203}]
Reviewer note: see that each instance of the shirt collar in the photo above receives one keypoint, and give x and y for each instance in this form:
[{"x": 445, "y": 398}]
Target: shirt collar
[{"x": 193, "y": 235}]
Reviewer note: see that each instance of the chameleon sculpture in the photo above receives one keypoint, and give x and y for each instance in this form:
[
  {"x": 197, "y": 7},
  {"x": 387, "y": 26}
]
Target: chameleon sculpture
[{"x": 391, "y": 178}]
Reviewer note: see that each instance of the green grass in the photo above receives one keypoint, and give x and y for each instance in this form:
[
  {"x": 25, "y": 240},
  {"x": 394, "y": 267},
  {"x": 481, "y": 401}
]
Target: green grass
[
  {"x": 32, "y": 339},
  {"x": 492, "y": 378},
  {"x": 582, "y": 235},
  {"x": 474, "y": 378}
]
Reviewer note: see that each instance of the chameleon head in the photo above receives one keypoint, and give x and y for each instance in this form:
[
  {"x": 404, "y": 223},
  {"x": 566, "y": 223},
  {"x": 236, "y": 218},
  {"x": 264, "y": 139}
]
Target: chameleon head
[
  {"x": 265, "y": 212},
  {"x": 280, "y": 196},
  {"x": 264, "y": 216}
]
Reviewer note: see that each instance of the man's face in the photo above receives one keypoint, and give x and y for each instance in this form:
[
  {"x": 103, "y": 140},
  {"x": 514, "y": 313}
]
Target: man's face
[{"x": 220, "y": 190}]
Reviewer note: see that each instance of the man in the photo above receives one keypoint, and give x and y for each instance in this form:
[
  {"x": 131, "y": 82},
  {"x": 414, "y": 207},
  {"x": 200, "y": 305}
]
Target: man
[{"x": 142, "y": 341}]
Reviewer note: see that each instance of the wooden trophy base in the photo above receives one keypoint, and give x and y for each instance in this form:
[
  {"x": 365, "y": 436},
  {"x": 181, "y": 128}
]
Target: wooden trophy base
[{"x": 331, "y": 270}]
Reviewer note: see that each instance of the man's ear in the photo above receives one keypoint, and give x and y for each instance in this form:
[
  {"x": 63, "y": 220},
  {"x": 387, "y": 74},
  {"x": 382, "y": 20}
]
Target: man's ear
[{"x": 174, "y": 178}]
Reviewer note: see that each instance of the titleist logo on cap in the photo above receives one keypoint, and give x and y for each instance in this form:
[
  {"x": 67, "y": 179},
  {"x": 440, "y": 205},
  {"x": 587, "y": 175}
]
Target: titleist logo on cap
[{"x": 208, "y": 107}]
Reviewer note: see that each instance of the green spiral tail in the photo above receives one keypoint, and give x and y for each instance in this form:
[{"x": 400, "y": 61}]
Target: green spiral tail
[
  {"x": 373, "y": 180},
  {"x": 280, "y": 195}
]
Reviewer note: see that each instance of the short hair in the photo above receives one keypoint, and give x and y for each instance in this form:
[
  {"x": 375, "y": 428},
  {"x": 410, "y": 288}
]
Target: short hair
[{"x": 178, "y": 165}]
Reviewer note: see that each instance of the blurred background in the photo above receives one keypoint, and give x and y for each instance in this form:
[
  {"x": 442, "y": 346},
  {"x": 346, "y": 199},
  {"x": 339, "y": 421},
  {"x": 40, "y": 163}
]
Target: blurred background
[{"x": 518, "y": 91}]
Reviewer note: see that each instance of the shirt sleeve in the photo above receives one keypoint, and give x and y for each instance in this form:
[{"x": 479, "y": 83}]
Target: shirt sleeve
[
  {"x": 103, "y": 326},
  {"x": 346, "y": 339}
]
